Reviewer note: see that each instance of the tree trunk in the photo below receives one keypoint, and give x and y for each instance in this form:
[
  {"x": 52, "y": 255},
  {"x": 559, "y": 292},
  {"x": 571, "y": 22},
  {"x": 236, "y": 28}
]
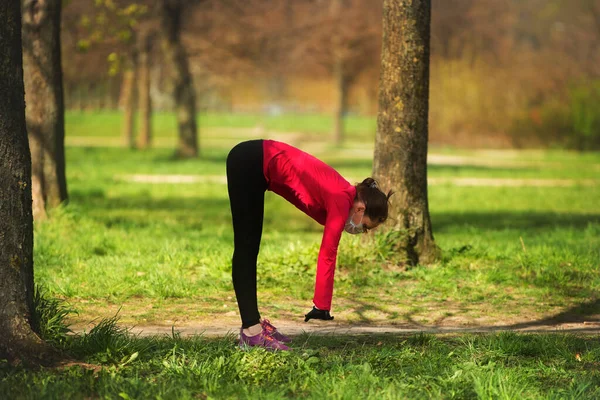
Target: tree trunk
[
  {"x": 145, "y": 104},
  {"x": 128, "y": 102},
  {"x": 339, "y": 78},
  {"x": 45, "y": 102},
  {"x": 339, "y": 111},
  {"x": 402, "y": 131},
  {"x": 184, "y": 96},
  {"x": 18, "y": 342}
]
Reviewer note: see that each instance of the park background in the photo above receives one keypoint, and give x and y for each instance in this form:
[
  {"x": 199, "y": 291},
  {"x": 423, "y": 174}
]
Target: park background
[
  {"x": 504, "y": 74},
  {"x": 145, "y": 239}
]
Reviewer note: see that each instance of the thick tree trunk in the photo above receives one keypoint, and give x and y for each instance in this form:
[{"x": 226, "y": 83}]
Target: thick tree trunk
[
  {"x": 128, "y": 102},
  {"x": 145, "y": 104},
  {"x": 45, "y": 102},
  {"x": 402, "y": 131},
  {"x": 18, "y": 342},
  {"x": 184, "y": 96}
]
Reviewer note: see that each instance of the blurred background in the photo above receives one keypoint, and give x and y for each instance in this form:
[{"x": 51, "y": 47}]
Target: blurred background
[{"x": 504, "y": 73}]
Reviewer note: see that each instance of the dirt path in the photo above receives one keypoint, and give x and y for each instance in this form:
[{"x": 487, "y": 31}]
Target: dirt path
[{"x": 294, "y": 328}]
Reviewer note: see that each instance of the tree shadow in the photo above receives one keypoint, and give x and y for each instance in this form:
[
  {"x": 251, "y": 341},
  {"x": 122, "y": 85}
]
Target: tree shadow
[
  {"x": 583, "y": 318},
  {"x": 586, "y": 314},
  {"x": 142, "y": 210},
  {"x": 450, "y": 169},
  {"x": 459, "y": 170},
  {"x": 521, "y": 220},
  {"x": 581, "y": 313},
  {"x": 215, "y": 157}
]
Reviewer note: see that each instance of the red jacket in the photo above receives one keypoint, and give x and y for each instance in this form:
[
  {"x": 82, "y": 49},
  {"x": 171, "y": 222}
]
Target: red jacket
[{"x": 319, "y": 191}]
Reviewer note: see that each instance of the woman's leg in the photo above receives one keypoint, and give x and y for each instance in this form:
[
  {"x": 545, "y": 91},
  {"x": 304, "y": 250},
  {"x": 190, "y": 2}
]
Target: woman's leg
[{"x": 246, "y": 185}]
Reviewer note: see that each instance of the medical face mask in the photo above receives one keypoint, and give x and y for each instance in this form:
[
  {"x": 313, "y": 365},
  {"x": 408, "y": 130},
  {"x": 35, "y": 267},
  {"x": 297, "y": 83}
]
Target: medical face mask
[{"x": 353, "y": 228}]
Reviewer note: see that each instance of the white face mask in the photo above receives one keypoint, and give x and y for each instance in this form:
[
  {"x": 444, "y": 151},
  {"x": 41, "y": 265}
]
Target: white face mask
[{"x": 352, "y": 228}]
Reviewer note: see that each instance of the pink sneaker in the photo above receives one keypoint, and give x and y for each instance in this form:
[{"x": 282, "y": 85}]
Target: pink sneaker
[
  {"x": 266, "y": 325},
  {"x": 263, "y": 339}
]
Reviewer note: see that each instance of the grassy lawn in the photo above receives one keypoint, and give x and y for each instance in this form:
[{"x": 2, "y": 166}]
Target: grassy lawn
[
  {"x": 107, "y": 124},
  {"x": 498, "y": 366},
  {"x": 159, "y": 254}
]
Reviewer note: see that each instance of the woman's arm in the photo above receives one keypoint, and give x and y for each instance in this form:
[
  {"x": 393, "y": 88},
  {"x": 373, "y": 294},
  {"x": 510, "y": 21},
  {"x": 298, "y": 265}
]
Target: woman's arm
[{"x": 334, "y": 226}]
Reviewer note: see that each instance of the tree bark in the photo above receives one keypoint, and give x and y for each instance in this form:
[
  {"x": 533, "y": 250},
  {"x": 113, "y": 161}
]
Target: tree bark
[
  {"x": 402, "y": 131},
  {"x": 171, "y": 12},
  {"x": 18, "y": 342},
  {"x": 45, "y": 102},
  {"x": 145, "y": 103},
  {"x": 128, "y": 102}
]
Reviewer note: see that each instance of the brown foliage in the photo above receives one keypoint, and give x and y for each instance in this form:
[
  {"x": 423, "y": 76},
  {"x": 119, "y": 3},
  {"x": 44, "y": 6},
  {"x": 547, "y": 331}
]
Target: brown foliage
[{"x": 513, "y": 55}]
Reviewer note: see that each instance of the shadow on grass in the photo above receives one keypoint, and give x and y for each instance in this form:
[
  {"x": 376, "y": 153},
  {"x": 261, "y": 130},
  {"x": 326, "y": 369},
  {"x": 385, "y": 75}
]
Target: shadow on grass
[
  {"x": 442, "y": 222},
  {"x": 126, "y": 157},
  {"x": 454, "y": 170},
  {"x": 493, "y": 221},
  {"x": 584, "y": 312},
  {"x": 143, "y": 210},
  {"x": 144, "y": 201},
  {"x": 584, "y": 318},
  {"x": 587, "y": 314},
  {"x": 362, "y": 307},
  {"x": 458, "y": 170},
  {"x": 216, "y": 157}
]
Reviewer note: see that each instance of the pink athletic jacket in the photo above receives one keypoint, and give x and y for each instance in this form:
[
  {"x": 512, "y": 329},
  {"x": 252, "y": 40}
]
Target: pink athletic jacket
[{"x": 319, "y": 191}]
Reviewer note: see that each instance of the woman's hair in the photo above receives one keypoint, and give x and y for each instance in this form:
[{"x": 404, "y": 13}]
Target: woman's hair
[{"x": 376, "y": 201}]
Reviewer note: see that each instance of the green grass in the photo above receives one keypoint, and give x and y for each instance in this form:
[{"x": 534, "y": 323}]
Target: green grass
[
  {"x": 160, "y": 254},
  {"x": 503, "y": 365},
  {"x": 108, "y": 123},
  {"x": 121, "y": 242},
  {"x": 497, "y": 366}
]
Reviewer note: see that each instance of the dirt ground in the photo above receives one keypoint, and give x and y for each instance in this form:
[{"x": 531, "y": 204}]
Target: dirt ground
[
  {"x": 294, "y": 328},
  {"x": 229, "y": 324}
]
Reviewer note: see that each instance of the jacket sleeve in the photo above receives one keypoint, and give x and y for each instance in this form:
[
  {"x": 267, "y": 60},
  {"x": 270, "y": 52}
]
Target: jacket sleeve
[{"x": 334, "y": 226}]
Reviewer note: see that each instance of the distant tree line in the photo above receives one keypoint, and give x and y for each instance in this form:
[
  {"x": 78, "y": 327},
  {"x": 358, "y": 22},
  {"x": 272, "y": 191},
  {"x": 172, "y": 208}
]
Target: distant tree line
[{"x": 504, "y": 72}]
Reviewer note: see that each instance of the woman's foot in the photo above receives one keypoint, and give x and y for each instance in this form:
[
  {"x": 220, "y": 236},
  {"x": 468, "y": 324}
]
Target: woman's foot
[
  {"x": 266, "y": 325},
  {"x": 263, "y": 339}
]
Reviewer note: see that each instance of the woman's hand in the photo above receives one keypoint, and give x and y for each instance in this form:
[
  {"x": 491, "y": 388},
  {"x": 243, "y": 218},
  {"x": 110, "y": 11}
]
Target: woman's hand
[{"x": 315, "y": 313}]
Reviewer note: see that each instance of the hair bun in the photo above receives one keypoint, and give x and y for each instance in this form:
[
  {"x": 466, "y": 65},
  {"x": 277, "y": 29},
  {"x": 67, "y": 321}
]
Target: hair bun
[{"x": 376, "y": 202}]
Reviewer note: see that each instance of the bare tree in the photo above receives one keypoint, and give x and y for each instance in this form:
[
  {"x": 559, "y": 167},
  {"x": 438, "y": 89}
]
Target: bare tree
[
  {"x": 128, "y": 99},
  {"x": 402, "y": 130},
  {"x": 338, "y": 37},
  {"x": 340, "y": 77},
  {"x": 45, "y": 104},
  {"x": 18, "y": 341},
  {"x": 240, "y": 39},
  {"x": 145, "y": 101},
  {"x": 171, "y": 13}
]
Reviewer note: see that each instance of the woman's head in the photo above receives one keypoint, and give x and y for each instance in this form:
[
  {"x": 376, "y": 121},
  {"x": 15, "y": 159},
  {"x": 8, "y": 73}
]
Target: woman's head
[{"x": 370, "y": 205}]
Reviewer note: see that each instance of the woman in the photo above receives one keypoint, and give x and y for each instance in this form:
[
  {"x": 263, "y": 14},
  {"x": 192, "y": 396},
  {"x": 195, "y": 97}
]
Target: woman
[{"x": 313, "y": 187}]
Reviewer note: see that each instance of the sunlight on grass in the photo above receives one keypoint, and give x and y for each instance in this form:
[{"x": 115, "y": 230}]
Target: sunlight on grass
[
  {"x": 125, "y": 253},
  {"x": 119, "y": 240},
  {"x": 504, "y": 365}
]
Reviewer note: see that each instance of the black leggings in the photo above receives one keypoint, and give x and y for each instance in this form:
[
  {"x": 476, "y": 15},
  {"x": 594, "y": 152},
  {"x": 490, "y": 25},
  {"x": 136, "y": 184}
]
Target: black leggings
[{"x": 246, "y": 185}]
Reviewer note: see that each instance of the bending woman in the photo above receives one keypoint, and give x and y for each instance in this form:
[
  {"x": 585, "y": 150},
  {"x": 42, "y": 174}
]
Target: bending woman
[{"x": 313, "y": 187}]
